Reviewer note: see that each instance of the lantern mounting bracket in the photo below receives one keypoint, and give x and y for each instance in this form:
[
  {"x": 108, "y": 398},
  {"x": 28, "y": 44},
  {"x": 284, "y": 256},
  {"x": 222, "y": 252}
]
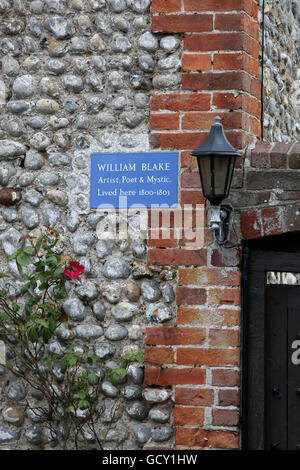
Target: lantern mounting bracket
[{"x": 221, "y": 221}]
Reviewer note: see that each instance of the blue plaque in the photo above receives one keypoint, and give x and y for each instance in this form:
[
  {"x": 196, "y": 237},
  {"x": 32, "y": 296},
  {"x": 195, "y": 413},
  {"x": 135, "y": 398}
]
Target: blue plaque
[{"x": 123, "y": 180}]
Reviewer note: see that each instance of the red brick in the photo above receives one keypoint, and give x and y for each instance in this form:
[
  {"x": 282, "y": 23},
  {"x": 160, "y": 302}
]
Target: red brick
[
  {"x": 163, "y": 377},
  {"x": 166, "y": 6},
  {"x": 188, "y": 296},
  {"x": 189, "y": 415},
  {"x": 229, "y": 397},
  {"x": 204, "y": 42},
  {"x": 224, "y": 338},
  {"x": 180, "y": 102},
  {"x": 178, "y": 141},
  {"x": 255, "y": 127},
  {"x": 250, "y": 224},
  {"x": 190, "y": 179},
  {"x": 236, "y": 22},
  {"x": 255, "y": 88},
  {"x": 159, "y": 356},
  {"x": 193, "y": 396},
  {"x": 197, "y": 437},
  {"x": 204, "y": 121},
  {"x": 236, "y": 61},
  {"x": 226, "y": 5},
  {"x": 182, "y": 23},
  {"x": 192, "y": 197},
  {"x": 164, "y": 121},
  {"x": 226, "y": 257},
  {"x": 208, "y": 317},
  {"x": 225, "y": 417},
  {"x": 271, "y": 220},
  {"x": 208, "y": 277},
  {"x": 216, "y": 81},
  {"x": 160, "y": 242},
  {"x": 178, "y": 257},
  {"x": 207, "y": 357},
  {"x": 225, "y": 377},
  {"x": 223, "y": 296},
  {"x": 174, "y": 335},
  {"x": 199, "y": 62},
  {"x": 187, "y": 161}
]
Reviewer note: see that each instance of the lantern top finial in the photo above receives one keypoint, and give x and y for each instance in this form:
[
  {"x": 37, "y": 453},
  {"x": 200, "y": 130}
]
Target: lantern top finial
[{"x": 216, "y": 142}]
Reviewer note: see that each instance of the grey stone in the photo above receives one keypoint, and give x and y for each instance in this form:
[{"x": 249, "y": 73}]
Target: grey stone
[
  {"x": 150, "y": 290},
  {"x": 24, "y": 86},
  {"x": 156, "y": 395},
  {"x": 6, "y": 435},
  {"x": 49, "y": 179},
  {"x": 135, "y": 374},
  {"x": 95, "y": 80},
  {"x": 82, "y": 243},
  {"x": 18, "y": 106},
  {"x": 112, "y": 412},
  {"x": 109, "y": 390},
  {"x": 161, "y": 434},
  {"x": 121, "y": 23},
  {"x": 16, "y": 391},
  {"x": 103, "y": 24},
  {"x": 120, "y": 103},
  {"x": 103, "y": 249},
  {"x": 138, "y": 410},
  {"x": 34, "y": 435},
  {"x": 10, "y": 215},
  {"x": 158, "y": 312},
  {"x": 138, "y": 249},
  {"x": 98, "y": 63},
  {"x": 33, "y": 161},
  {"x": 116, "y": 268},
  {"x": 99, "y": 310},
  {"x": 168, "y": 293},
  {"x": 88, "y": 291},
  {"x": 146, "y": 63},
  {"x": 82, "y": 121},
  {"x": 6, "y": 172},
  {"x": 104, "y": 350},
  {"x": 73, "y": 83},
  {"x": 35, "y": 27},
  {"x": 138, "y": 81},
  {"x": 59, "y": 26},
  {"x": 172, "y": 62},
  {"x": 58, "y": 159},
  {"x": 58, "y": 197},
  {"x": 132, "y": 119},
  {"x": 36, "y": 7},
  {"x": 11, "y": 241},
  {"x": 131, "y": 392},
  {"x": 10, "y": 66},
  {"x": 30, "y": 217},
  {"x": 72, "y": 221},
  {"x": 118, "y": 435},
  {"x": 10, "y": 149},
  {"x": 116, "y": 80},
  {"x": 169, "y": 43},
  {"x": 88, "y": 331},
  {"x": 120, "y": 43},
  {"x": 35, "y": 122},
  {"x": 15, "y": 127},
  {"x": 51, "y": 215},
  {"x": 63, "y": 333},
  {"x": 78, "y": 45},
  {"x": 141, "y": 100},
  {"x": 11, "y": 46},
  {"x": 33, "y": 197},
  {"x": 160, "y": 414},
  {"x": 75, "y": 309},
  {"x": 54, "y": 347},
  {"x": 124, "y": 311},
  {"x": 117, "y": 5},
  {"x": 148, "y": 42},
  {"x": 167, "y": 80},
  {"x": 116, "y": 332},
  {"x": 141, "y": 433},
  {"x": 56, "y": 66},
  {"x": 139, "y": 6},
  {"x": 95, "y": 103},
  {"x": 105, "y": 119}
]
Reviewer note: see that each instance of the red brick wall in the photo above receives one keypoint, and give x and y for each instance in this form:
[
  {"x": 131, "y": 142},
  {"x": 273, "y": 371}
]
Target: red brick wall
[{"x": 200, "y": 356}]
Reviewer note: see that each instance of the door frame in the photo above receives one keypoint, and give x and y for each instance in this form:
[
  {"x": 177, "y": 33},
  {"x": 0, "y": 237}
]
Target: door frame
[{"x": 255, "y": 264}]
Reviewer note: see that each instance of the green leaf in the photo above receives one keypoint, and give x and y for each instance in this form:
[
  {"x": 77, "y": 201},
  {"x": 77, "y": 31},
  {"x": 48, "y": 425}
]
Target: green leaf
[
  {"x": 33, "y": 335},
  {"x": 41, "y": 321},
  {"x": 57, "y": 272},
  {"x": 52, "y": 260},
  {"x": 82, "y": 394},
  {"x": 25, "y": 288},
  {"x": 28, "y": 250},
  {"x": 23, "y": 259},
  {"x": 83, "y": 404}
]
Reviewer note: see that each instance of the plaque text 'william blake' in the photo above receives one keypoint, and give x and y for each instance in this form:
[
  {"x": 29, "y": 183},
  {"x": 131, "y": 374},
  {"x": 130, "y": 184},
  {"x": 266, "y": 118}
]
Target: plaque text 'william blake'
[{"x": 139, "y": 179}]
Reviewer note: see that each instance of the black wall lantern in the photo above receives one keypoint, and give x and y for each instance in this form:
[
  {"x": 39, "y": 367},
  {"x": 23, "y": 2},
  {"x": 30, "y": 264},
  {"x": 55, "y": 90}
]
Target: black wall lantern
[{"x": 216, "y": 160}]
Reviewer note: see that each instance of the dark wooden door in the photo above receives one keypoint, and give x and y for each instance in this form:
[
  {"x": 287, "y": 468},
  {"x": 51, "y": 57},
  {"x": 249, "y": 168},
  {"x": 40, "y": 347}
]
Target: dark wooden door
[
  {"x": 282, "y": 408},
  {"x": 271, "y": 354}
]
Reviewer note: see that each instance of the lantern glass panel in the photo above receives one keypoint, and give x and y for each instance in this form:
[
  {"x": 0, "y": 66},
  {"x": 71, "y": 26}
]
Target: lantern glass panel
[
  {"x": 223, "y": 171},
  {"x": 204, "y": 164}
]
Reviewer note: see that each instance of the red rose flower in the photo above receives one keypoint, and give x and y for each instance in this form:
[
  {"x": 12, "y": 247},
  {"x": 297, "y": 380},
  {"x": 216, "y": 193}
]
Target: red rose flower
[{"x": 74, "y": 270}]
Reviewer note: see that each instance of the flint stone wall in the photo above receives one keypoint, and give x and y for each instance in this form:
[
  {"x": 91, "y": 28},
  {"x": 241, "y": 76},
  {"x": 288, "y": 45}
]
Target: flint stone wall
[
  {"x": 76, "y": 79},
  {"x": 282, "y": 70}
]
